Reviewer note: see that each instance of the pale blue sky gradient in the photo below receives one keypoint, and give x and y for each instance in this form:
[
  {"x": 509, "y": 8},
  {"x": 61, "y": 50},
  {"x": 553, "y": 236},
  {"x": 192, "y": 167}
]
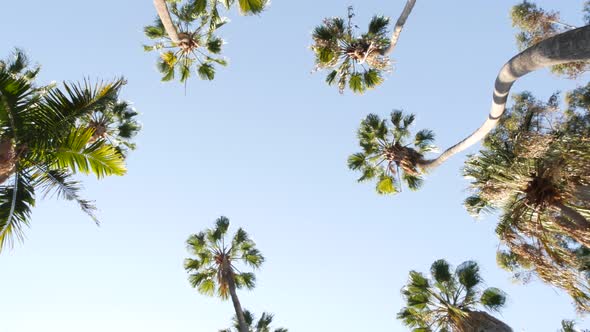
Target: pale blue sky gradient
[{"x": 266, "y": 145}]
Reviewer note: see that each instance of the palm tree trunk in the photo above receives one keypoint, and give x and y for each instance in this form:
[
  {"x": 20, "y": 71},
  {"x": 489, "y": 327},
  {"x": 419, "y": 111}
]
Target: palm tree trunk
[
  {"x": 572, "y": 45},
  {"x": 399, "y": 25},
  {"x": 234, "y": 298},
  {"x": 7, "y": 159},
  {"x": 480, "y": 321},
  {"x": 575, "y": 225},
  {"x": 164, "y": 15}
]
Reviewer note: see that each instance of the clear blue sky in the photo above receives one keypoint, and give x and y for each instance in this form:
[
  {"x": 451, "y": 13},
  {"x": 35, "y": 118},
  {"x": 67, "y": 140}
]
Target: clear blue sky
[{"x": 266, "y": 145}]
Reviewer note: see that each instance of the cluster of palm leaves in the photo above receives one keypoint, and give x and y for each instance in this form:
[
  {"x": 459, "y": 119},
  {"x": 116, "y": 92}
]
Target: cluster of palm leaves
[
  {"x": 570, "y": 326},
  {"x": 356, "y": 62},
  {"x": 535, "y": 169},
  {"x": 198, "y": 47},
  {"x": 47, "y": 136},
  {"x": 389, "y": 154},
  {"x": 448, "y": 301},
  {"x": 214, "y": 269},
  {"x": 536, "y": 24},
  {"x": 262, "y": 325}
]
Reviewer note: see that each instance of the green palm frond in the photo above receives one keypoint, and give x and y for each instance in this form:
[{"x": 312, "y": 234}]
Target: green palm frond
[
  {"x": 262, "y": 325},
  {"x": 16, "y": 201},
  {"x": 248, "y": 7},
  {"x": 75, "y": 153},
  {"x": 18, "y": 65},
  {"x": 468, "y": 274},
  {"x": 59, "y": 110},
  {"x": 204, "y": 281},
  {"x": 155, "y": 31},
  {"x": 60, "y": 183},
  {"x": 493, "y": 298},
  {"x": 386, "y": 185},
  {"x": 206, "y": 71},
  {"x": 245, "y": 280},
  {"x": 378, "y": 25},
  {"x": 440, "y": 271}
]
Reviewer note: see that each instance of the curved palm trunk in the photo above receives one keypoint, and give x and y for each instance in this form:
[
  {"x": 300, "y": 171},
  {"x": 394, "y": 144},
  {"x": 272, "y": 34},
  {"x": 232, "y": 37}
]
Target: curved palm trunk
[
  {"x": 480, "y": 321},
  {"x": 573, "y": 45},
  {"x": 399, "y": 25},
  {"x": 234, "y": 296},
  {"x": 164, "y": 15}
]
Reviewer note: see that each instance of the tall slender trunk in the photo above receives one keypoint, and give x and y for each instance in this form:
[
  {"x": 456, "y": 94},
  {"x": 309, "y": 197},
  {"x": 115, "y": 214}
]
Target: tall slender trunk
[
  {"x": 399, "y": 25},
  {"x": 572, "y": 45},
  {"x": 228, "y": 274},
  {"x": 164, "y": 15},
  {"x": 480, "y": 321}
]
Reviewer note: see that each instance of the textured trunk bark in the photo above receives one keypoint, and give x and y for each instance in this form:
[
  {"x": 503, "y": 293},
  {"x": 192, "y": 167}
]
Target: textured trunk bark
[
  {"x": 164, "y": 15},
  {"x": 7, "y": 159},
  {"x": 234, "y": 297},
  {"x": 480, "y": 321},
  {"x": 573, "y": 45},
  {"x": 399, "y": 25},
  {"x": 579, "y": 222}
]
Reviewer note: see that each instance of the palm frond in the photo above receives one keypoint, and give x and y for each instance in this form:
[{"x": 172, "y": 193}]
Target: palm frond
[
  {"x": 75, "y": 153},
  {"x": 60, "y": 183},
  {"x": 16, "y": 202}
]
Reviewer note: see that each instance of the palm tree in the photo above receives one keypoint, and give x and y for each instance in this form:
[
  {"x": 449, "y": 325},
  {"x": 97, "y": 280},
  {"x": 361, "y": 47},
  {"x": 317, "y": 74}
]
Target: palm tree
[
  {"x": 387, "y": 156},
  {"x": 356, "y": 61},
  {"x": 246, "y": 7},
  {"x": 194, "y": 44},
  {"x": 214, "y": 269},
  {"x": 569, "y": 326},
  {"x": 44, "y": 141},
  {"x": 115, "y": 123},
  {"x": 262, "y": 325},
  {"x": 189, "y": 40},
  {"x": 536, "y": 24},
  {"x": 448, "y": 301},
  {"x": 535, "y": 168}
]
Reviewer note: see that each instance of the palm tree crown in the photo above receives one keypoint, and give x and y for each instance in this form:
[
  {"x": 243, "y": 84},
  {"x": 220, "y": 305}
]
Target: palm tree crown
[
  {"x": 387, "y": 152},
  {"x": 262, "y": 325},
  {"x": 355, "y": 61},
  {"x": 448, "y": 300},
  {"x": 215, "y": 259},
  {"x": 535, "y": 169},
  {"x": 197, "y": 45},
  {"x": 45, "y": 139}
]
